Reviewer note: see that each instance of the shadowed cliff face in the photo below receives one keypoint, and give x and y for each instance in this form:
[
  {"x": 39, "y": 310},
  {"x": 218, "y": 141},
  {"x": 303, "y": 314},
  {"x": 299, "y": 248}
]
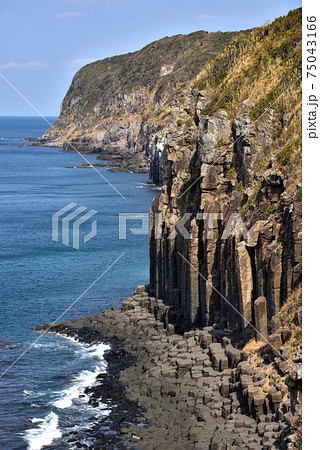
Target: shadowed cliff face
[
  {"x": 114, "y": 106},
  {"x": 242, "y": 266},
  {"x": 244, "y": 171}
]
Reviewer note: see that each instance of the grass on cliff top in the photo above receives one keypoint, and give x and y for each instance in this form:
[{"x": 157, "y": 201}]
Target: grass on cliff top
[
  {"x": 181, "y": 56},
  {"x": 258, "y": 66},
  {"x": 263, "y": 67}
]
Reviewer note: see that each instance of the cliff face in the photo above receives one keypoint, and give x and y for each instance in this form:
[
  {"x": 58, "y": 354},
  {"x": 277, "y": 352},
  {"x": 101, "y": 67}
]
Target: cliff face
[
  {"x": 231, "y": 160},
  {"x": 114, "y": 106}
]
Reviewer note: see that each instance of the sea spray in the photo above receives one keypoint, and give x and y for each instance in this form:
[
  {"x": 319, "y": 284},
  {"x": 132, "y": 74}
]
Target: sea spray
[{"x": 46, "y": 431}]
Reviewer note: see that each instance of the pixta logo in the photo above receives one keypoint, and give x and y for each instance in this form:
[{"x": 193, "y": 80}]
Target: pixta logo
[
  {"x": 233, "y": 226},
  {"x": 67, "y": 221}
]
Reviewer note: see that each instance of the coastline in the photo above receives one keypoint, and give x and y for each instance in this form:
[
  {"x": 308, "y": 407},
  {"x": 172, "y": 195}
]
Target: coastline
[
  {"x": 115, "y": 160},
  {"x": 50, "y": 372},
  {"x": 191, "y": 391}
]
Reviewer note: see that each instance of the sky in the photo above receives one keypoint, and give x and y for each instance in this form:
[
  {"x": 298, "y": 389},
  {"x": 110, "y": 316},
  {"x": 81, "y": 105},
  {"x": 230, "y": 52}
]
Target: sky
[{"x": 44, "y": 42}]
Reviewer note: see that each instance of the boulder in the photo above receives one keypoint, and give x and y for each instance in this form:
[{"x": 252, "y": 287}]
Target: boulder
[{"x": 275, "y": 341}]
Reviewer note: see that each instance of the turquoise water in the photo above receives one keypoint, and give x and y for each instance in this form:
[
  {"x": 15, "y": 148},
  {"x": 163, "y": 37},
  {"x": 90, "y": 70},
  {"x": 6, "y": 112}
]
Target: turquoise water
[{"x": 41, "y": 278}]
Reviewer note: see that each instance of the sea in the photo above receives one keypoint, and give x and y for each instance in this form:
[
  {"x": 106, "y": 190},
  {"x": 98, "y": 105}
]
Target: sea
[{"x": 43, "y": 378}]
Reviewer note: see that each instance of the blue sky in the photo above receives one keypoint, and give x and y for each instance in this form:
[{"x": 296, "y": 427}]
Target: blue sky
[{"x": 44, "y": 42}]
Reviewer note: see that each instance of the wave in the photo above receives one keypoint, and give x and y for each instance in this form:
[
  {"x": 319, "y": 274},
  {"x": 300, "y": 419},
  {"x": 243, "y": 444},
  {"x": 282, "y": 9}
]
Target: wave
[
  {"x": 46, "y": 431},
  {"x": 11, "y": 139},
  {"x": 27, "y": 392},
  {"x": 98, "y": 350},
  {"x": 84, "y": 379},
  {"x": 8, "y": 344},
  {"x": 95, "y": 350}
]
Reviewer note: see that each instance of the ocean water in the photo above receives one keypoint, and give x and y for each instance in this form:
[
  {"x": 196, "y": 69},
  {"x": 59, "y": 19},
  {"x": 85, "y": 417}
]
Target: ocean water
[{"x": 40, "y": 278}]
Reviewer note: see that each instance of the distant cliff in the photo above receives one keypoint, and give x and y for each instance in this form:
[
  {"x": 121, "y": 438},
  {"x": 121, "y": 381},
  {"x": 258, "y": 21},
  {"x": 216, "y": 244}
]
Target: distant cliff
[
  {"x": 114, "y": 106},
  {"x": 233, "y": 149},
  {"x": 216, "y": 120}
]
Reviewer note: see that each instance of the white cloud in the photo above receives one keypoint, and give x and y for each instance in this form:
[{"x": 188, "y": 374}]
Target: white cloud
[
  {"x": 32, "y": 65},
  {"x": 205, "y": 17},
  {"x": 79, "y": 62},
  {"x": 69, "y": 15}
]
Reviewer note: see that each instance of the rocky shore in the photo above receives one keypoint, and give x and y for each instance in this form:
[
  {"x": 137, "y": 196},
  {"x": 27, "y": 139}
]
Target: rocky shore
[
  {"x": 116, "y": 160},
  {"x": 198, "y": 390}
]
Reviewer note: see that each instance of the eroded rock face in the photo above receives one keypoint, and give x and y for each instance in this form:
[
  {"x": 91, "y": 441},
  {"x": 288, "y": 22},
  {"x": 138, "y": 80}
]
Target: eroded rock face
[
  {"x": 115, "y": 105},
  {"x": 244, "y": 224}
]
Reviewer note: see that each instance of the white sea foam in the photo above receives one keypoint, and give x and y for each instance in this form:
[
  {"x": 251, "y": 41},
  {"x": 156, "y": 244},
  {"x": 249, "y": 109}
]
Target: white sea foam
[
  {"x": 105, "y": 412},
  {"x": 27, "y": 392},
  {"x": 47, "y": 345},
  {"x": 10, "y": 139},
  {"x": 98, "y": 350},
  {"x": 46, "y": 431},
  {"x": 84, "y": 379}
]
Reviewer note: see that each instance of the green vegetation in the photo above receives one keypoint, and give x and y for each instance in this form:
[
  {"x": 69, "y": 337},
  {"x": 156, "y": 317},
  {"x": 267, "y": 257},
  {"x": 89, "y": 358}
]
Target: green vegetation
[
  {"x": 161, "y": 70},
  {"x": 239, "y": 186},
  {"x": 199, "y": 85},
  {"x": 298, "y": 197},
  {"x": 290, "y": 311},
  {"x": 270, "y": 54},
  {"x": 249, "y": 71},
  {"x": 270, "y": 209},
  {"x": 247, "y": 205},
  {"x": 285, "y": 155},
  {"x": 232, "y": 173},
  {"x": 222, "y": 142},
  {"x": 260, "y": 72}
]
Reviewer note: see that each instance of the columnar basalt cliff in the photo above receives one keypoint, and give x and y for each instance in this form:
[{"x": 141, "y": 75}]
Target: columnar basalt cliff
[
  {"x": 230, "y": 162},
  {"x": 216, "y": 335},
  {"x": 114, "y": 106},
  {"x": 183, "y": 391}
]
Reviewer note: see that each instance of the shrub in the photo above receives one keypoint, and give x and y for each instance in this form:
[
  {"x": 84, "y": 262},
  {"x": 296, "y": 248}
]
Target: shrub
[
  {"x": 232, "y": 173},
  {"x": 284, "y": 156},
  {"x": 298, "y": 197}
]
